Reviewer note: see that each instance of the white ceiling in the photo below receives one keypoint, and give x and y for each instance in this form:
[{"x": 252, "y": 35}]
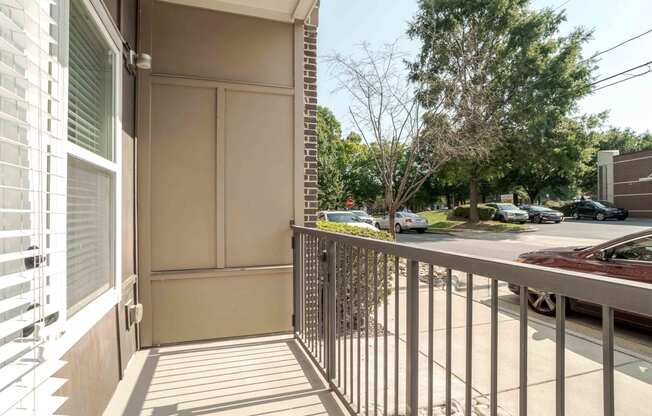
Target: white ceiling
[{"x": 281, "y": 10}]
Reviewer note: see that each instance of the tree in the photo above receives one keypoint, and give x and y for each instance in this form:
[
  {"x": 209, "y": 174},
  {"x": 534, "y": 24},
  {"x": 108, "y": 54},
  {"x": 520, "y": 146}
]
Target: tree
[
  {"x": 388, "y": 116},
  {"x": 488, "y": 62},
  {"x": 329, "y": 178},
  {"x": 554, "y": 160}
]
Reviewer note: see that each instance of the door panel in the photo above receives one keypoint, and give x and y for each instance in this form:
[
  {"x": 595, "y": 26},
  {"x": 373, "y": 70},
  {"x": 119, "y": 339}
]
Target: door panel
[
  {"x": 183, "y": 178},
  {"x": 259, "y": 158}
]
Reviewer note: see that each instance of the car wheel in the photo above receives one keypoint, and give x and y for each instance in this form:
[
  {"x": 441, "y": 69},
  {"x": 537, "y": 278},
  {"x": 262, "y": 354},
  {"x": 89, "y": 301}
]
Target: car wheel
[
  {"x": 540, "y": 220},
  {"x": 398, "y": 229},
  {"x": 542, "y": 302},
  {"x": 600, "y": 216},
  {"x": 502, "y": 219},
  {"x": 377, "y": 225},
  {"x": 521, "y": 222},
  {"x": 621, "y": 218},
  {"x": 421, "y": 230}
]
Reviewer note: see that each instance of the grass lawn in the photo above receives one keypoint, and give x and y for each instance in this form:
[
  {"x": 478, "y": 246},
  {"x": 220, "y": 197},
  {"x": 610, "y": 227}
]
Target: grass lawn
[{"x": 443, "y": 220}]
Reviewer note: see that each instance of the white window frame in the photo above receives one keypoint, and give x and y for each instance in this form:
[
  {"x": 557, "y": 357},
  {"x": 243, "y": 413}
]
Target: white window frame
[{"x": 85, "y": 318}]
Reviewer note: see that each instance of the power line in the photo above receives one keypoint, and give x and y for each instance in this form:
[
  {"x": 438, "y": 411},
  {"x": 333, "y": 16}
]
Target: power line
[
  {"x": 561, "y": 5},
  {"x": 623, "y": 80},
  {"x": 618, "y": 45},
  {"x": 647, "y": 64}
]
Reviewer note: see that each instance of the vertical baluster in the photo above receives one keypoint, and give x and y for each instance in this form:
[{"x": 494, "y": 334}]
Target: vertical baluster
[
  {"x": 494, "y": 348},
  {"x": 345, "y": 317},
  {"x": 385, "y": 294},
  {"x": 608, "y": 360},
  {"x": 351, "y": 321},
  {"x": 375, "y": 329},
  {"x": 522, "y": 400},
  {"x": 331, "y": 308},
  {"x": 366, "y": 331},
  {"x": 560, "y": 356},
  {"x": 358, "y": 322},
  {"x": 449, "y": 338},
  {"x": 397, "y": 276},
  {"x": 431, "y": 305},
  {"x": 412, "y": 340},
  {"x": 469, "y": 344}
]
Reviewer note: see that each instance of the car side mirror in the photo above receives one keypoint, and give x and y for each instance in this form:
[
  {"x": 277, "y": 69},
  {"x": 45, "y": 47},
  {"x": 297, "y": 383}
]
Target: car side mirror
[{"x": 605, "y": 255}]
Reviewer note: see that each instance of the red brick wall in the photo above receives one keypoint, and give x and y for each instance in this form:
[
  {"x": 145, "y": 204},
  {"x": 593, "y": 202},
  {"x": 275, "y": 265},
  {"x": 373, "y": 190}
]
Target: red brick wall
[{"x": 310, "y": 122}]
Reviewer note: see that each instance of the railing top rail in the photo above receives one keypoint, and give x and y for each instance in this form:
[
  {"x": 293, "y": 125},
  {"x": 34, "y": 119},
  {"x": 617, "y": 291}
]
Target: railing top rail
[{"x": 622, "y": 294}]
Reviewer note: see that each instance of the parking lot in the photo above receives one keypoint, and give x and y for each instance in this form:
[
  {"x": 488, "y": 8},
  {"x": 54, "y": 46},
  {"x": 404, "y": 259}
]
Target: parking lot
[
  {"x": 507, "y": 246},
  {"x": 633, "y": 345}
]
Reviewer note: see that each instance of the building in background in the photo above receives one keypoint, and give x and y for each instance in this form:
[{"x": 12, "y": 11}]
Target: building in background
[{"x": 626, "y": 180}]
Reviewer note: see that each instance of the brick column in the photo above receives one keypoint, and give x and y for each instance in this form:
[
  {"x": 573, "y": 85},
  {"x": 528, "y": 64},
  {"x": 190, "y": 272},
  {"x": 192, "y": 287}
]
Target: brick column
[{"x": 310, "y": 123}]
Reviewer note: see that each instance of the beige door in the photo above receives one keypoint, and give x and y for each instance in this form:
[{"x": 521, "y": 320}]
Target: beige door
[{"x": 215, "y": 201}]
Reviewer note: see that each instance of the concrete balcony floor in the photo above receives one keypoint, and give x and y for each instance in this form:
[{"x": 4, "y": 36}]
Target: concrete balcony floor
[{"x": 251, "y": 376}]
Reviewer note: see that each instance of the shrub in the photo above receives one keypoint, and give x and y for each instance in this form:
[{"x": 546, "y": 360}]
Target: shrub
[
  {"x": 567, "y": 209},
  {"x": 353, "y": 285},
  {"x": 353, "y": 230},
  {"x": 485, "y": 213}
]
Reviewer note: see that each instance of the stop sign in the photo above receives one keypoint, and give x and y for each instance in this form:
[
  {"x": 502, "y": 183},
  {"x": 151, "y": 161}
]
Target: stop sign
[{"x": 349, "y": 202}]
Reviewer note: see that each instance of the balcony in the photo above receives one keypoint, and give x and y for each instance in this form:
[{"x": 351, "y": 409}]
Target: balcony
[{"x": 385, "y": 328}]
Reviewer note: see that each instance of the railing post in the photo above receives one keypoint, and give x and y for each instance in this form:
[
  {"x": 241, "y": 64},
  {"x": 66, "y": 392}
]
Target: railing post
[
  {"x": 331, "y": 250},
  {"x": 412, "y": 340},
  {"x": 296, "y": 281}
]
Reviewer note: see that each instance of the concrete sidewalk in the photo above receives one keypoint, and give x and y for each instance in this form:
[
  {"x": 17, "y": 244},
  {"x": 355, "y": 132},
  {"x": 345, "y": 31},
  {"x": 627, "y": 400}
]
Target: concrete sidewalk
[{"x": 583, "y": 362}]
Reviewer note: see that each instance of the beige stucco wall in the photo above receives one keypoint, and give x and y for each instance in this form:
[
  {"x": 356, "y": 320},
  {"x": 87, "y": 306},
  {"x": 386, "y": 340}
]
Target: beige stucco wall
[{"x": 217, "y": 154}]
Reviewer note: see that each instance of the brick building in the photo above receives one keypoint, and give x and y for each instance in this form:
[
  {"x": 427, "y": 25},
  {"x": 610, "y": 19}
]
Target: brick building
[{"x": 626, "y": 180}]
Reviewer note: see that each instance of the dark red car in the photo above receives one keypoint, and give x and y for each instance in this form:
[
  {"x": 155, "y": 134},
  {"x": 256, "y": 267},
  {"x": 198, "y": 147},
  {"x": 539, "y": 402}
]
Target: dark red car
[{"x": 628, "y": 257}]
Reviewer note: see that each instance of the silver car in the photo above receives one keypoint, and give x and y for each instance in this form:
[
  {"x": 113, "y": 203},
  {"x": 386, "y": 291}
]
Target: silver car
[
  {"x": 343, "y": 217},
  {"x": 404, "y": 221},
  {"x": 509, "y": 213}
]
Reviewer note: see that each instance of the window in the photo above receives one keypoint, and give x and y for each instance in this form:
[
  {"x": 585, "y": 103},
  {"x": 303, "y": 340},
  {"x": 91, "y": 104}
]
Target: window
[
  {"x": 92, "y": 169},
  {"x": 637, "y": 250}
]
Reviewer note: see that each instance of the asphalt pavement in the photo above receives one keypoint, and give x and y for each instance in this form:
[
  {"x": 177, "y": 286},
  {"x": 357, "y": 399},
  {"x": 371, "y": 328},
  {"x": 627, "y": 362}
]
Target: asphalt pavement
[{"x": 507, "y": 246}]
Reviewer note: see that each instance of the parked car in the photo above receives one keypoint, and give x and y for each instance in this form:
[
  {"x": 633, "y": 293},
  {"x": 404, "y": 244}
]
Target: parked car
[
  {"x": 509, "y": 213},
  {"x": 624, "y": 211},
  {"x": 541, "y": 214},
  {"x": 403, "y": 221},
  {"x": 598, "y": 211},
  {"x": 628, "y": 257},
  {"x": 363, "y": 216},
  {"x": 344, "y": 217}
]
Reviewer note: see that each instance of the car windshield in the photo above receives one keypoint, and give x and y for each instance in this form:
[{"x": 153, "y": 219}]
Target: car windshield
[
  {"x": 507, "y": 207},
  {"x": 360, "y": 213},
  {"x": 606, "y": 204},
  {"x": 342, "y": 217},
  {"x": 599, "y": 205},
  {"x": 540, "y": 209}
]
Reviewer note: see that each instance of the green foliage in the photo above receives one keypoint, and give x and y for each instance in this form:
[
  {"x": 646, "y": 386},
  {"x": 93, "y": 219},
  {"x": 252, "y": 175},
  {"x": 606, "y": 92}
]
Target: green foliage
[
  {"x": 353, "y": 230},
  {"x": 567, "y": 209},
  {"x": 345, "y": 165},
  {"x": 486, "y": 213},
  {"x": 507, "y": 78}
]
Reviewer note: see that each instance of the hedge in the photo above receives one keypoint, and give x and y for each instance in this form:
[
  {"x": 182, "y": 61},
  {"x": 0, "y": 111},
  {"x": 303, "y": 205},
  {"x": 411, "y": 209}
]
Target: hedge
[
  {"x": 485, "y": 213},
  {"x": 353, "y": 285},
  {"x": 337, "y": 227}
]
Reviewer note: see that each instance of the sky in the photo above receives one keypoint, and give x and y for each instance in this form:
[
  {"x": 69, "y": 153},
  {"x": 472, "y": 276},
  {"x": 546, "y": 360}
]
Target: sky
[{"x": 345, "y": 24}]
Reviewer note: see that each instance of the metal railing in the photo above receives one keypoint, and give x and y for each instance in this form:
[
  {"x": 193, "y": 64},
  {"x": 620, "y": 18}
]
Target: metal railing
[{"x": 349, "y": 316}]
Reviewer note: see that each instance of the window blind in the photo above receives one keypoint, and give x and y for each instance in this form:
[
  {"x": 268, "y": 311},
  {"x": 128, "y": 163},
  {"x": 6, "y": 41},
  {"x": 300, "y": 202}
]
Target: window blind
[
  {"x": 90, "y": 90},
  {"x": 32, "y": 204},
  {"x": 90, "y": 203}
]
